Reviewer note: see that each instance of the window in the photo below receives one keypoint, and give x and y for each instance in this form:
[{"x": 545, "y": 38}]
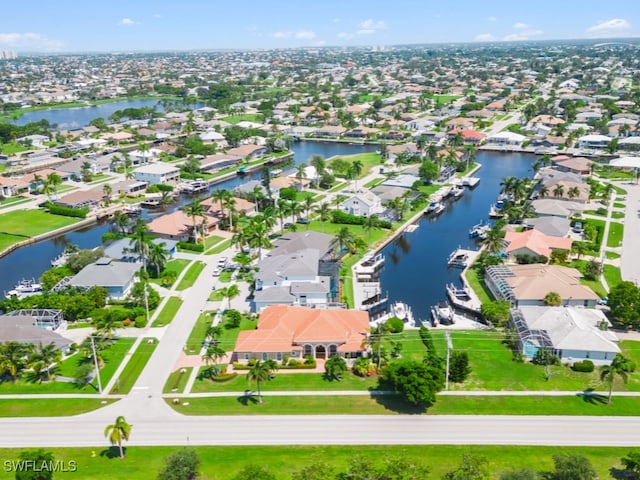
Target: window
[
  {"x": 587, "y": 355},
  {"x": 294, "y": 353},
  {"x": 279, "y": 356},
  {"x": 246, "y": 356},
  {"x": 265, "y": 355}
]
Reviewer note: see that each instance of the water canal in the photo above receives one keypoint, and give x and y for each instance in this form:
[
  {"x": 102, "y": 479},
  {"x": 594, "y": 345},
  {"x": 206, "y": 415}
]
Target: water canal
[{"x": 416, "y": 270}]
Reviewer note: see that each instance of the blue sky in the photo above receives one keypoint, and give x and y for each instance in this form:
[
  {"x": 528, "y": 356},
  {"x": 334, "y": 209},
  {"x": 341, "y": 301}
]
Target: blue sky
[{"x": 142, "y": 25}]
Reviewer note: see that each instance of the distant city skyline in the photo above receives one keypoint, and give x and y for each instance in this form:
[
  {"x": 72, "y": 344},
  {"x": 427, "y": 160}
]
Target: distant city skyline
[{"x": 144, "y": 25}]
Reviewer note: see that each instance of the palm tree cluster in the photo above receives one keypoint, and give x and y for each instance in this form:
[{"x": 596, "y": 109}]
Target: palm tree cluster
[
  {"x": 151, "y": 253},
  {"x": 35, "y": 362}
]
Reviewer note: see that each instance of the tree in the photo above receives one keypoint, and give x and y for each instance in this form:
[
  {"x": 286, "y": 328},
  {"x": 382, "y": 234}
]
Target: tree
[
  {"x": 158, "y": 256},
  {"x": 428, "y": 171},
  {"x": 107, "y": 190},
  {"x": 558, "y": 190},
  {"x": 230, "y": 292},
  {"x": 356, "y": 170},
  {"x": 624, "y": 302},
  {"x": 345, "y": 238},
  {"x": 51, "y": 184},
  {"x": 335, "y": 367},
  {"x": 12, "y": 359},
  {"x": 619, "y": 367},
  {"x": 496, "y": 311},
  {"x": 121, "y": 221},
  {"x": 140, "y": 241},
  {"x": 42, "y": 357},
  {"x": 459, "y": 368},
  {"x": 495, "y": 238},
  {"x": 37, "y": 465},
  {"x": 181, "y": 465},
  {"x": 195, "y": 210},
  {"x": 472, "y": 467},
  {"x": 519, "y": 474},
  {"x": 118, "y": 432},
  {"x": 417, "y": 382},
  {"x": 572, "y": 467},
  {"x": 552, "y": 299},
  {"x": 254, "y": 472},
  {"x": 573, "y": 192},
  {"x": 631, "y": 464},
  {"x": 260, "y": 372},
  {"x": 85, "y": 172}
]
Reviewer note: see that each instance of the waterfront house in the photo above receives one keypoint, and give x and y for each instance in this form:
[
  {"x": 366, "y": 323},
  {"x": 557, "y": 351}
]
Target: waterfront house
[
  {"x": 117, "y": 277},
  {"x": 122, "y": 249},
  {"x": 577, "y": 165},
  {"x": 220, "y": 161},
  {"x": 533, "y": 243},
  {"x": 298, "y": 332},
  {"x": 506, "y": 139},
  {"x": 593, "y": 141},
  {"x": 157, "y": 173},
  {"x": 250, "y": 152},
  {"x": 82, "y": 198},
  {"x": 363, "y": 203},
  {"x": 552, "y": 207},
  {"x": 178, "y": 225},
  {"x": 10, "y": 187},
  {"x": 525, "y": 285},
  {"x": 550, "y": 226},
  {"x": 469, "y": 137},
  {"x": 572, "y": 334}
]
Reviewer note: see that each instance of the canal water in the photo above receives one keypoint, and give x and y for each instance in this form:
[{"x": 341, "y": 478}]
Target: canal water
[
  {"x": 31, "y": 261},
  {"x": 416, "y": 270}
]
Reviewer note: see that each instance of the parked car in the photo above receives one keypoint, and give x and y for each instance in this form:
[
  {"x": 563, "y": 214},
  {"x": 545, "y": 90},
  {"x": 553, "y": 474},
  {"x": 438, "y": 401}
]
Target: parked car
[
  {"x": 577, "y": 227},
  {"x": 222, "y": 262},
  {"x": 302, "y": 220},
  {"x": 217, "y": 271},
  {"x": 603, "y": 301},
  {"x": 288, "y": 225}
]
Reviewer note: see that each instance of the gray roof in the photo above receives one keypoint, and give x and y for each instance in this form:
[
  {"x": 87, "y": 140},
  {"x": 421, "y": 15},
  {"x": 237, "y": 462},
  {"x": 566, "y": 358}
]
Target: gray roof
[
  {"x": 295, "y": 241},
  {"x": 298, "y": 263},
  {"x": 21, "y": 329},
  {"x": 387, "y": 194},
  {"x": 117, "y": 248},
  {"x": 552, "y": 226},
  {"x": 571, "y": 328},
  {"x": 105, "y": 273},
  {"x": 300, "y": 288},
  {"x": 273, "y": 295},
  {"x": 404, "y": 180},
  {"x": 556, "y": 207}
]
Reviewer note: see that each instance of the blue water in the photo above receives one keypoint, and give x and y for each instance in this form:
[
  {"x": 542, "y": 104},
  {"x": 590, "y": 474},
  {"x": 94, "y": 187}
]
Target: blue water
[
  {"x": 31, "y": 261},
  {"x": 71, "y": 118},
  {"x": 416, "y": 269}
]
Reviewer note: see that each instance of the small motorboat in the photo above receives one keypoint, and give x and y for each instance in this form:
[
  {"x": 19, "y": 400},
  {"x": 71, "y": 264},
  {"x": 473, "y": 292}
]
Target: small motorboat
[
  {"x": 24, "y": 289},
  {"x": 442, "y": 313}
]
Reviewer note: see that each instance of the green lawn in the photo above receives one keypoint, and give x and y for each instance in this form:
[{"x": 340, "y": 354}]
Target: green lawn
[
  {"x": 247, "y": 117},
  {"x": 478, "y": 286},
  {"x": 369, "y": 160},
  {"x": 229, "y": 335},
  {"x": 7, "y": 202},
  {"x": 611, "y": 255},
  {"x": 619, "y": 190},
  {"x": 444, "y": 99},
  {"x": 617, "y": 215},
  {"x": 225, "y": 463},
  {"x": 49, "y": 407},
  {"x": 191, "y": 275},
  {"x": 611, "y": 275},
  {"x": 177, "y": 380},
  {"x": 197, "y": 335},
  {"x": 134, "y": 367},
  {"x": 28, "y": 223},
  {"x": 619, "y": 205},
  {"x": 168, "y": 312},
  {"x": 339, "y": 186},
  {"x": 7, "y": 240},
  {"x": 216, "y": 296},
  {"x": 176, "y": 265},
  {"x": 372, "y": 237},
  {"x": 374, "y": 183},
  {"x": 12, "y": 148},
  {"x": 225, "y": 276},
  {"x": 211, "y": 240},
  {"x": 616, "y": 231},
  {"x": 219, "y": 248}
]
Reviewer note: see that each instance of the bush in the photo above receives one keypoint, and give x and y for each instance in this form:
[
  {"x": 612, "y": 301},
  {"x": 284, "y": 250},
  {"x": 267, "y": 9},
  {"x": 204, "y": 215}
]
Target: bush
[
  {"x": 140, "y": 322},
  {"x": 338, "y": 216},
  {"x": 66, "y": 211},
  {"x": 583, "y": 366},
  {"x": 288, "y": 193},
  {"x": 394, "y": 325},
  {"x": 194, "y": 247},
  {"x": 309, "y": 360},
  {"x": 225, "y": 377},
  {"x": 126, "y": 322}
]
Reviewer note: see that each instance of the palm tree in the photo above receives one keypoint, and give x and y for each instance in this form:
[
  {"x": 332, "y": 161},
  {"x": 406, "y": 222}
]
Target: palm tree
[
  {"x": 121, "y": 221},
  {"x": 140, "y": 240},
  {"x": 369, "y": 225},
  {"x": 12, "y": 359},
  {"x": 258, "y": 236},
  {"x": 118, "y": 432},
  {"x": 335, "y": 367},
  {"x": 231, "y": 292},
  {"x": 166, "y": 199},
  {"x": 323, "y": 210},
  {"x": 619, "y": 367},
  {"x": 495, "y": 239},
  {"x": 356, "y": 168},
  {"x": 573, "y": 192},
  {"x": 259, "y": 373},
  {"x": 317, "y": 162},
  {"x": 52, "y": 182},
  {"x": 37, "y": 181},
  {"x": 308, "y": 205},
  {"x": 194, "y": 211},
  {"x": 258, "y": 196},
  {"x": 284, "y": 208},
  {"x": 432, "y": 151},
  {"x": 126, "y": 163},
  {"x": 543, "y": 191},
  {"x": 158, "y": 256},
  {"x": 345, "y": 238},
  {"x": 44, "y": 356},
  {"x": 558, "y": 191},
  {"x": 213, "y": 355},
  {"x": 300, "y": 175},
  {"x": 228, "y": 202},
  {"x": 144, "y": 148},
  {"x": 507, "y": 184},
  {"x": 553, "y": 299},
  {"x": 107, "y": 190}
]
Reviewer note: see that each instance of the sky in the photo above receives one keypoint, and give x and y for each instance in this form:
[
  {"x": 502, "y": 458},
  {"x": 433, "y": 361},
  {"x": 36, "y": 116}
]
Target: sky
[{"x": 162, "y": 25}]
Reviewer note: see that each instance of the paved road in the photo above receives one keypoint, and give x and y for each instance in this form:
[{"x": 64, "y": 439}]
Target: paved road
[
  {"x": 330, "y": 430},
  {"x": 630, "y": 260}
]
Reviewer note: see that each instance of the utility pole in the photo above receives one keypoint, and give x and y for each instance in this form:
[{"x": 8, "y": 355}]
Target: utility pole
[
  {"x": 449, "y": 348},
  {"x": 95, "y": 362},
  {"x": 146, "y": 301}
]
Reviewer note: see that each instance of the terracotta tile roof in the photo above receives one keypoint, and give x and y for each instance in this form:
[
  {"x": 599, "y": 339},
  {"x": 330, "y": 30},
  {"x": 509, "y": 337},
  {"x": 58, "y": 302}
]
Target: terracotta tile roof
[
  {"x": 282, "y": 328},
  {"x": 536, "y": 241}
]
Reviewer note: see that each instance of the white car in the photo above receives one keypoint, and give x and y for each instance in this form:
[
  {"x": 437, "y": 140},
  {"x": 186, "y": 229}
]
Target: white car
[
  {"x": 222, "y": 262},
  {"x": 217, "y": 271}
]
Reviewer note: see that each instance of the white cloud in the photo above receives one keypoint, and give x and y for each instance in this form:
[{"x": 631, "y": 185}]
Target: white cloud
[
  {"x": 300, "y": 34},
  {"x": 520, "y": 25},
  {"x": 525, "y": 35},
  {"x": 484, "y": 37},
  {"x": 615, "y": 26},
  {"x": 365, "y": 31},
  {"x": 30, "y": 41},
  {"x": 370, "y": 24},
  {"x": 492, "y": 19},
  {"x": 127, "y": 22}
]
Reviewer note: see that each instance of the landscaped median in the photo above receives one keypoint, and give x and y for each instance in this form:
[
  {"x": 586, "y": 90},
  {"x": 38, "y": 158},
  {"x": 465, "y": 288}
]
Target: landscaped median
[
  {"x": 191, "y": 275},
  {"x": 134, "y": 366},
  {"x": 168, "y": 312}
]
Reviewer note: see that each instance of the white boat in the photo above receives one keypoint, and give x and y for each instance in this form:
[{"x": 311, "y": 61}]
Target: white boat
[
  {"x": 24, "y": 289},
  {"x": 442, "y": 313},
  {"x": 435, "y": 208},
  {"x": 495, "y": 211},
  {"x": 403, "y": 312},
  {"x": 132, "y": 210},
  {"x": 458, "y": 258},
  {"x": 457, "y": 192},
  {"x": 479, "y": 231}
]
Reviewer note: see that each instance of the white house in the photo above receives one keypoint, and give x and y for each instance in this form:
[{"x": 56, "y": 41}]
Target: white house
[
  {"x": 573, "y": 334},
  {"x": 506, "y": 138},
  {"x": 139, "y": 157},
  {"x": 363, "y": 204},
  {"x": 156, "y": 173}
]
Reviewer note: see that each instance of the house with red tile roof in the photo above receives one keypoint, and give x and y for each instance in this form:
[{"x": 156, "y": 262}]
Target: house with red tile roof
[
  {"x": 471, "y": 137},
  {"x": 301, "y": 331},
  {"x": 534, "y": 243}
]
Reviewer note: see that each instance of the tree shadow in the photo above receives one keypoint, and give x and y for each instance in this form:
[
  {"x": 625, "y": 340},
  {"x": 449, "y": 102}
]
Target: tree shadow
[
  {"x": 620, "y": 474},
  {"x": 589, "y": 396},
  {"x": 248, "y": 398},
  {"x": 393, "y": 401},
  {"x": 113, "y": 452}
]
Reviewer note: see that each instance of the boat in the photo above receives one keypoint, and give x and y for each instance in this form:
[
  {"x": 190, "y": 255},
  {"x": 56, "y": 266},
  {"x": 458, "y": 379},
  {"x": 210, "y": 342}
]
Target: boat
[
  {"x": 403, "y": 312},
  {"x": 442, "y": 313},
  {"x": 411, "y": 228},
  {"x": 24, "y": 289},
  {"x": 495, "y": 211},
  {"x": 241, "y": 170},
  {"x": 150, "y": 203},
  {"x": 194, "y": 187},
  {"x": 457, "y": 192},
  {"x": 458, "y": 294},
  {"x": 458, "y": 258},
  {"x": 479, "y": 231},
  {"x": 435, "y": 208},
  {"x": 132, "y": 210}
]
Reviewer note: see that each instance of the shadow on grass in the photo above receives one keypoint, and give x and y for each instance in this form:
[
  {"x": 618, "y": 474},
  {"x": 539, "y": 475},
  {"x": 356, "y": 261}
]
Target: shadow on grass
[
  {"x": 393, "y": 401},
  {"x": 589, "y": 396},
  {"x": 113, "y": 452},
  {"x": 620, "y": 474},
  {"x": 249, "y": 398}
]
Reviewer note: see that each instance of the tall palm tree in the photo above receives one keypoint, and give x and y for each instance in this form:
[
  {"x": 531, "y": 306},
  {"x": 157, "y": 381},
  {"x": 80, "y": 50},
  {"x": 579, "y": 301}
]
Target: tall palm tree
[
  {"x": 558, "y": 191},
  {"x": 121, "y": 221},
  {"x": 495, "y": 239},
  {"x": 619, "y": 367},
  {"x": 308, "y": 205},
  {"x": 126, "y": 163},
  {"x": 140, "y": 240},
  {"x": 118, "y": 432},
  {"x": 166, "y": 199},
  {"x": 258, "y": 196},
  {"x": 300, "y": 175},
  {"x": 323, "y": 210},
  {"x": 45, "y": 355},
  {"x": 432, "y": 152},
  {"x": 194, "y": 211},
  {"x": 213, "y": 354},
  {"x": 158, "y": 256},
  {"x": 543, "y": 191},
  {"x": 344, "y": 238},
  {"x": 228, "y": 202},
  {"x": 356, "y": 168},
  {"x": 284, "y": 209},
  {"x": 573, "y": 192},
  {"x": 231, "y": 292},
  {"x": 107, "y": 190},
  {"x": 12, "y": 359},
  {"x": 260, "y": 372},
  {"x": 317, "y": 162},
  {"x": 52, "y": 182},
  {"x": 507, "y": 184},
  {"x": 258, "y": 236}
]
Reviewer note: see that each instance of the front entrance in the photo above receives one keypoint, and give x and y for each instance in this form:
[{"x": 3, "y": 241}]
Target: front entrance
[{"x": 321, "y": 352}]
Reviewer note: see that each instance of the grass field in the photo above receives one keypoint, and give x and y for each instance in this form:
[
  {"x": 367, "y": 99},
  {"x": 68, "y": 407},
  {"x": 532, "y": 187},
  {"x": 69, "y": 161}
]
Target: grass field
[
  {"x": 176, "y": 265},
  {"x": 611, "y": 275},
  {"x": 247, "y": 117},
  {"x": 478, "y": 286},
  {"x": 611, "y": 255},
  {"x": 135, "y": 366},
  {"x": 616, "y": 231},
  {"x": 29, "y": 223},
  {"x": 191, "y": 275},
  {"x": 224, "y": 463},
  {"x": 229, "y": 335},
  {"x": 177, "y": 380},
  {"x": 219, "y": 247},
  {"x": 197, "y": 335},
  {"x": 53, "y": 407},
  {"x": 168, "y": 312}
]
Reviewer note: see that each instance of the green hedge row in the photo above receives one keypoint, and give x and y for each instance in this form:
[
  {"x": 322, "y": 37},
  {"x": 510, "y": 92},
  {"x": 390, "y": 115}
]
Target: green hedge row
[
  {"x": 194, "y": 247},
  {"x": 67, "y": 211}
]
